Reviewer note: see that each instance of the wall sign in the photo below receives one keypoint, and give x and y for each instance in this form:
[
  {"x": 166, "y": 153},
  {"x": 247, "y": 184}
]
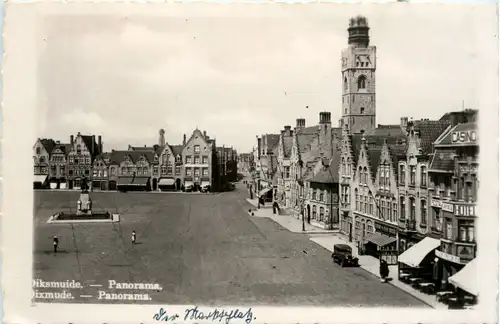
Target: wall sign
[
  {"x": 465, "y": 210},
  {"x": 444, "y": 206},
  {"x": 447, "y": 257},
  {"x": 464, "y": 137},
  {"x": 383, "y": 228}
]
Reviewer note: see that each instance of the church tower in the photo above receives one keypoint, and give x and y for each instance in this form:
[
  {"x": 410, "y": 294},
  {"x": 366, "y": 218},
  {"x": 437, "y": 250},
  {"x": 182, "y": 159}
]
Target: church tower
[{"x": 358, "y": 79}]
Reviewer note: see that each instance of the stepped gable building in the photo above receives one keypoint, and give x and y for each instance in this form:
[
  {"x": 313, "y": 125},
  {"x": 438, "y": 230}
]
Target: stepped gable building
[
  {"x": 58, "y": 163},
  {"x": 266, "y": 163},
  {"x": 285, "y": 179},
  {"x": 41, "y": 158},
  {"x": 413, "y": 181},
  {"x": 83, "y": 151},
  {"x": 453, "y": 187},
  {"x": 100, "y": 172},
  {"x": 200, "y": 161}
]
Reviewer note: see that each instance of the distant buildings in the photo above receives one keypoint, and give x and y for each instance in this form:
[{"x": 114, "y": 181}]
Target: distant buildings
[{"x": 196, "y": 164}]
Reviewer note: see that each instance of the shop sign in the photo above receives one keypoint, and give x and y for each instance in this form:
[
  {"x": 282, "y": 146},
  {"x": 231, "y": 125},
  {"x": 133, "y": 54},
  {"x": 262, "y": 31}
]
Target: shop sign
[
  {"x": 447, "y": 257},
  {"x": 444, "y": 206},
  {"x": 464, "y": 137},
  {"x": 468, "y": 169},
  {"x": 383, "y": 228},
  {"x": 465, "y": 210}
]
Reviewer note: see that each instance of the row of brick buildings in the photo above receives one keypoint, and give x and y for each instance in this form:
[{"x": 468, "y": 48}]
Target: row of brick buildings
[
  {"x": 195, "y": 164},
  {"x": 387, "y": 187}
]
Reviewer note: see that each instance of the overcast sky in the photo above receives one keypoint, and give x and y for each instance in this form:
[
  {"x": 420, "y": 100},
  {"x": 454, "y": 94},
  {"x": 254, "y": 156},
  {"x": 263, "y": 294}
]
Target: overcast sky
[{"x": 125, "y": 77}]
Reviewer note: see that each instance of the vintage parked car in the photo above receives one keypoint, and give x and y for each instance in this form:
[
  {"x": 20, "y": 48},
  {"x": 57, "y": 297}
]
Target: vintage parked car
[{"x": 342, "y": 254}]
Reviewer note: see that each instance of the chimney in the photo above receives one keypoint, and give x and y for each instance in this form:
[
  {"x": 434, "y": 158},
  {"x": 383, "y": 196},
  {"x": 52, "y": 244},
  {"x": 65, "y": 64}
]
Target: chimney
[
  {"x": 325, "y": 117},
  {"x": 301, "y": 123},
  {"x": 99, "y": 143},
  {"x": 288, "y": 130},
  {"x": 205, "y": 134},
  {"x": 93, "y": 143},
  {"x": 184, "y": 140},
  {"x": 71, "y": 139}
]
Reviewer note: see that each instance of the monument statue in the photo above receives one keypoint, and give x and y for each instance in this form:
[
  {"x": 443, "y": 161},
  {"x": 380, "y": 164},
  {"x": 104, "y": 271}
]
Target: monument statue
[{"x": 84, "y": 203}]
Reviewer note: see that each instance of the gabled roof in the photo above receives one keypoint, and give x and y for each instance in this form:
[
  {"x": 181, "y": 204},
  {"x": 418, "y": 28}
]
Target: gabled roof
[
  {"x": 447, "y": 139},
  {"x": 271, "y": 140},
  {"x": 329, "y": 173},
  {"x": 141, "y": 148},
  {"x": 429, "y": 131},
  {"x": 390, "y": 135},
  {"x": 373, "y": 156},
  {"x": 304, "y": 141},
  {"x": 176, "y": 149},
  {"x": 88, "y": 140},
  {"x": 287, "y": 145},
  {"x": 48, "y": 144},
  {"x": 65, "y": 148},
  {"x": 117, "y": 157},
  {"x": 395, "y": 151}
]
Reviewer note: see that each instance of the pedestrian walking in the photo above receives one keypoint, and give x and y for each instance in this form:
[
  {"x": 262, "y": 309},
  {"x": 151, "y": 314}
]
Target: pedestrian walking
[
  {"x": 134, "y": 237},
  {"x": 55, "y": 243},
  {"x": 384, "y": 270}
]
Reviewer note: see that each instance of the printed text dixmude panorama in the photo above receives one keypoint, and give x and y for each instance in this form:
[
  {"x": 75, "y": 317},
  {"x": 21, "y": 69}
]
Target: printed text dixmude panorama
[
  {"x": 71, "y": 289},
  {"x": 213, "y": 315}
]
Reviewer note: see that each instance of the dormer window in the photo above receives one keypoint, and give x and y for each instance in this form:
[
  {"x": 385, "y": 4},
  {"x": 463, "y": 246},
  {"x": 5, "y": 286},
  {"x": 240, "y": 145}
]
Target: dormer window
[
  {"x": 78, "y": 149},
  {"x": 38, "y": 150}
]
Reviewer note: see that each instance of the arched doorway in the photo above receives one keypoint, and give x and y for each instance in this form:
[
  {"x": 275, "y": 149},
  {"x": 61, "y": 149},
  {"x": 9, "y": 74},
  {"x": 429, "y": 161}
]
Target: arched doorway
[
  {"x": 308, "y": 214},
  {"x": 155, "y": 184},
  {"x": 177, "y": 184}
]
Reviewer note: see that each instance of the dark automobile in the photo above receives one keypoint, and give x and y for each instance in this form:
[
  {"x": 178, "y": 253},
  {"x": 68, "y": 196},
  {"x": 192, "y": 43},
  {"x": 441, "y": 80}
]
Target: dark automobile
[{"x": 342, "y": 254}]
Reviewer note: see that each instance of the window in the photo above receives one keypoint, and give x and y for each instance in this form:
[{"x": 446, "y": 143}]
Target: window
[
  {"x": 196, "y": 160},
  {"x": 197, "y": 172},
  {"x": 314, "y": 194},
  {"x": 87, "y": 159},
  {"x": 287, "y": 172},
  {"x": 321, "y": 196},
  {"x": 449, "y": 230},
  {"x": 205, "y": 172},
  {"x": 402, "y": 174},
  {"x": 38, "y": 150},
  {"x": 188, "y": 172},
  {"x": 169, "y": 169},
  {"x": 105, "y": 173},
  {"x": 412, "y": 208},
  {"x": 196, "y": 149},
  {"x": 53, "y": 169},
  {"x": 205, "y": 159},
  {"x": 357, "y": 198},
  {"x": 361, "y": 82},
  {"x": 402, "y": 206},
  {"x": 71, "y": 160},
  {"x": 62, "y": 170},
  {"x": 321, "y": 214},
  {"x": 345, "y": 83},
  {"x": 78, "y": 149},
  {"x": 423, "y": 212},
  {"x": 163, "y": 170},
  {"x": 326, "y": 196},
  {"x": 394, "y": 211},
  {"x": 362, "y": 110},
  {"x": 314, "y": 212},
  {"x": 188, "y": 159},
  {"x": 423, "y": 176},
  {"x": 365, "y": 208},
  {"x": 87, "y": 172},
  {"x": 155, "y": 170},
  {"x": 412, "y": 174},
  {"x": 94, "y": 173},
  {"x": 387, "y": 181},
  {"x": 361, "y": 204},
  {"x": 177, "y": 170},
  {"x": 178, "y": 158}
]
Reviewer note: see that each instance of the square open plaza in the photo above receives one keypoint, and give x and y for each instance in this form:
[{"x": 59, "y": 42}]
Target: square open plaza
[{"x": 190, "y": 249}]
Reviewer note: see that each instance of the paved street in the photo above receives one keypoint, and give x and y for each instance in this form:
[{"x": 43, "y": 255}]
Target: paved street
[{"x": 202, "y": 249}]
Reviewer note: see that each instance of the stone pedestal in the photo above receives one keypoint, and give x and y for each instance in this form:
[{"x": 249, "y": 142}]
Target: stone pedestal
[{"x": 84, "y": 204}]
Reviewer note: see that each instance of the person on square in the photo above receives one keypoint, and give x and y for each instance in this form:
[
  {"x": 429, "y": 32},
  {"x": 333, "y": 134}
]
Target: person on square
[
  {"x": 55, "y": 243},
  {"x": 134, "y": 237}
]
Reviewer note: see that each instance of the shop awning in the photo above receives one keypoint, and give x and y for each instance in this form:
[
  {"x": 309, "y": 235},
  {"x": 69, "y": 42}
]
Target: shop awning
[
  {"x": 466, "y": 278},
  {"x": 379, "y": 239},
  {"x": 205, "y": 183},
  {"x": 166, "y": 182},
  {"x": 416, "y": 254},
  {"x": 188, "y": 184},
  {"x": 40, "y": 178},
  {"x": 132, "y": 181},
  {"x": 264, "y": 191}
]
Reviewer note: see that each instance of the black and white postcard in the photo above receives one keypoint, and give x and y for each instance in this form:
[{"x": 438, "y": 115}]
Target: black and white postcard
[{"x": 202, "y": 162}]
